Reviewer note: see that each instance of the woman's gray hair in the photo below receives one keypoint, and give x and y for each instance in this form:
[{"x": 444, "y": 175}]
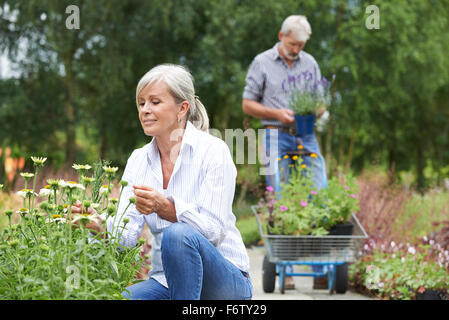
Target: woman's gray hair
[
  {"x": 299, "y": 26},
  {"x": 180, "y": 83}
]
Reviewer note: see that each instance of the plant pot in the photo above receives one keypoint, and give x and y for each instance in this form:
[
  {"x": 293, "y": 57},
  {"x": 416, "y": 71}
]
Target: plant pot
[
  {"x": 429, "y": 295},
  {"x": 342, "y": 229},
  {"x": 305, "y": 124}
]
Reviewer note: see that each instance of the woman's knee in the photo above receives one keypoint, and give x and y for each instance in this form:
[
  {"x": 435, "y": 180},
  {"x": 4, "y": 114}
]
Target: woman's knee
[{"x": 176, "y": 236}]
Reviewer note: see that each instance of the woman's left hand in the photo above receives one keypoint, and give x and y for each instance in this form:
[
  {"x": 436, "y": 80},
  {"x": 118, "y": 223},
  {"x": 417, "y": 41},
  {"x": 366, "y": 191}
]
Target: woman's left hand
[{"x": 148, "y": 200}]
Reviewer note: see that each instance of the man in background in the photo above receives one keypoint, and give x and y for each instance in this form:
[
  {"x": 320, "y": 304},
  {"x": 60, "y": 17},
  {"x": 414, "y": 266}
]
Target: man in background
[{"x": 264, "y": 98}]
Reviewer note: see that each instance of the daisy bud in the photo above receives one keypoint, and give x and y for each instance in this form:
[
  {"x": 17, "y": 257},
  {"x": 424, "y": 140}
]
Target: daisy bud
[
  {"x": 123, "y": 183},
  {"x": 13, "y": 243},
  {"x": 9, "y": 213}
]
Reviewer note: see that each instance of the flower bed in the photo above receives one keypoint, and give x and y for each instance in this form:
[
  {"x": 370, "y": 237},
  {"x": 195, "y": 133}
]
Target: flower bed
[
  {"x": 401, "y": 272},
  {"x": 398, "y": 261},
  {"x": 50, "y": 254}
]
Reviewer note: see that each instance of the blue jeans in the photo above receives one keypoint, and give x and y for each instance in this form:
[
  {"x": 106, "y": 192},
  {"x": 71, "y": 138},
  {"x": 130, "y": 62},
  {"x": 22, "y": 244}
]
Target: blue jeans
[
  {"x": 287, "y": 142},
  {"x": 194, "y": 270}
]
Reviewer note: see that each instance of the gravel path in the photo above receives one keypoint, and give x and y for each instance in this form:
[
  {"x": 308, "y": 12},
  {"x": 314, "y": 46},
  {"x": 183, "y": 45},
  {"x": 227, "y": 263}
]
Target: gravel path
[{"x": 303, "y": 285}]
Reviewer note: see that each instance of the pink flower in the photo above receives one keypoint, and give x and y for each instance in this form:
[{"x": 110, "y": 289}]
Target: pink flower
[
  {"x": 313, "y": 192},
  {"x": 272, "y": 201},
  {"x": 353, "y": 196},
  {"x": 283, "y": 208},
  {"x": 346, "y": 188},
  {"x": 270, "y": 189},
  {"x": 303, "y": 204}
]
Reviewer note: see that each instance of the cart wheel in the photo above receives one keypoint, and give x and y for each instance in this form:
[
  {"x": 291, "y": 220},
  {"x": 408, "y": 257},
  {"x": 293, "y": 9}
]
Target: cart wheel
[
  {"x": 341, "y": 281},
  {"x": 268, "y": 276}
]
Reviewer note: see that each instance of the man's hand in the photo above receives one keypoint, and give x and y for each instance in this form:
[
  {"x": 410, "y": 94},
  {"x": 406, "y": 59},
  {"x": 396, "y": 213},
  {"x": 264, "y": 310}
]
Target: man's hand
[
  {"x": 286, "y": 116},
  {"x": 321, "y": 110}
]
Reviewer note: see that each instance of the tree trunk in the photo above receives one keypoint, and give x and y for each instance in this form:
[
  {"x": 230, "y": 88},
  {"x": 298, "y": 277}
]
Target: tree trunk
[
  {"x": 391, "y": 165},
  {"x": 420, "y": 168},
  {"x": 103, "y": 147},
  {"x": 70, "y": 147},
  {"x": 350, "y": 151},
  {"x": 243, "y": 192}
]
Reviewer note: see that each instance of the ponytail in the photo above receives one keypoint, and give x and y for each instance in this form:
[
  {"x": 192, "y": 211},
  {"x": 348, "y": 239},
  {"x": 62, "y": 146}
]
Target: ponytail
[{"x": 198, "y": 115}]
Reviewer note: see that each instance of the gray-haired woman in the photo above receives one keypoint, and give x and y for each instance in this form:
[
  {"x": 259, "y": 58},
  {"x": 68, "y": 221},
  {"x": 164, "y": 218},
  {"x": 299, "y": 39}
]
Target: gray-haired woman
[{"x": 184, "y": 183}]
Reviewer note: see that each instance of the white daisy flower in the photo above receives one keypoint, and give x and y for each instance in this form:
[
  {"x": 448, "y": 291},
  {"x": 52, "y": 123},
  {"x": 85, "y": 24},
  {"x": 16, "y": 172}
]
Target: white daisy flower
[
  {"x": 38, "y": 161},
  {"x": 46, "y": 191},
  {"x": 72, "y": 185},
  {"x": 81, "y": 167},
  {"x": 26, "y": 193},
  {"x": 104, "y": 189},
  {"x": 110, "y": 170},
  {"x": 27, "y": 175}
]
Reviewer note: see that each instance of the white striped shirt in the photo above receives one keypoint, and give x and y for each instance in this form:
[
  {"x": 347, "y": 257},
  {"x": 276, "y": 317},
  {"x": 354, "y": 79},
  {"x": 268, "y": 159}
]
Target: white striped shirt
[{"x": 201, "y": 187}]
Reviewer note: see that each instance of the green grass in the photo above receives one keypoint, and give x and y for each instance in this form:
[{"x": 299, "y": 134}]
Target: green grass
[
  {"x": 246, "y": 223},
  {"x": 249, "y": 231}
]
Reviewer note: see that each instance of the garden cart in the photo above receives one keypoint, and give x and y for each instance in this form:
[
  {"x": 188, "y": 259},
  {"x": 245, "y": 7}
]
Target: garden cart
[{"x": 331, "y": 252}]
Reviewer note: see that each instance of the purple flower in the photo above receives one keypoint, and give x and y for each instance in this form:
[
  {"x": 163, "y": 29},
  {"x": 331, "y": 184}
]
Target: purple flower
[
  {"x": 283, "y": 208},
  {"x": 270, "y": 189},
  {"x": 303, "y": 204},
  {"x": 313, "y": 192}
]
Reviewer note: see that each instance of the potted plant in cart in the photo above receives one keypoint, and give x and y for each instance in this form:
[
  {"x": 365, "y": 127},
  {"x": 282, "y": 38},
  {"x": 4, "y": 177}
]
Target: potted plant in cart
[{"x": 340, "y": 199}]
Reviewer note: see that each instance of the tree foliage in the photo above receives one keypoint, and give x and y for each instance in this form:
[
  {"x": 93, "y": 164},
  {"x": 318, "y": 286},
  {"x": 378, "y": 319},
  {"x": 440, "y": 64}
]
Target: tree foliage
[{"x": 76, "y": 89}]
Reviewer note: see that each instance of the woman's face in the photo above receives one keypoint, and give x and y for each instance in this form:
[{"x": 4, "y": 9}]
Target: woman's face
[{"x": 158, "y": 111}]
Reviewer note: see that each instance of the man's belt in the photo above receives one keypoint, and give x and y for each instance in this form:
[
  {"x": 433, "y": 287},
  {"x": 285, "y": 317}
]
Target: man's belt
[{"x": 289, "y": 130}]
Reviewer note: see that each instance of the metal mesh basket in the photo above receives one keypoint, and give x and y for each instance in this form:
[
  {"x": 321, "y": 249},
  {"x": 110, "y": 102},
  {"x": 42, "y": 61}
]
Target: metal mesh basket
[{"x": 314, "y": 248}]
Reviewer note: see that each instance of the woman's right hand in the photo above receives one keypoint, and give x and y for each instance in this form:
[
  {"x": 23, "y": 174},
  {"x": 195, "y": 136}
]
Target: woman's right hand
[{"x": 94, "y": 225}]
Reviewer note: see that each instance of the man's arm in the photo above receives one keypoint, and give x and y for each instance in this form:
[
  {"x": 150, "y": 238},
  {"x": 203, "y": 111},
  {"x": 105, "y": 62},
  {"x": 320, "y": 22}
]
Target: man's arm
[{"x": 258, "y": 110}]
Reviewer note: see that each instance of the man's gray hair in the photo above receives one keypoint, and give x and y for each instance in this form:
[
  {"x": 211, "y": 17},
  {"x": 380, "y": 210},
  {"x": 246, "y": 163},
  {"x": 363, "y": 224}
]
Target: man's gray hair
[{"x": 299, "y": 26}]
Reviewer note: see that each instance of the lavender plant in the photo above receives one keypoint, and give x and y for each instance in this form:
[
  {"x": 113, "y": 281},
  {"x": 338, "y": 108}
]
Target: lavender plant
[{"x": 307, "y": 96}]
